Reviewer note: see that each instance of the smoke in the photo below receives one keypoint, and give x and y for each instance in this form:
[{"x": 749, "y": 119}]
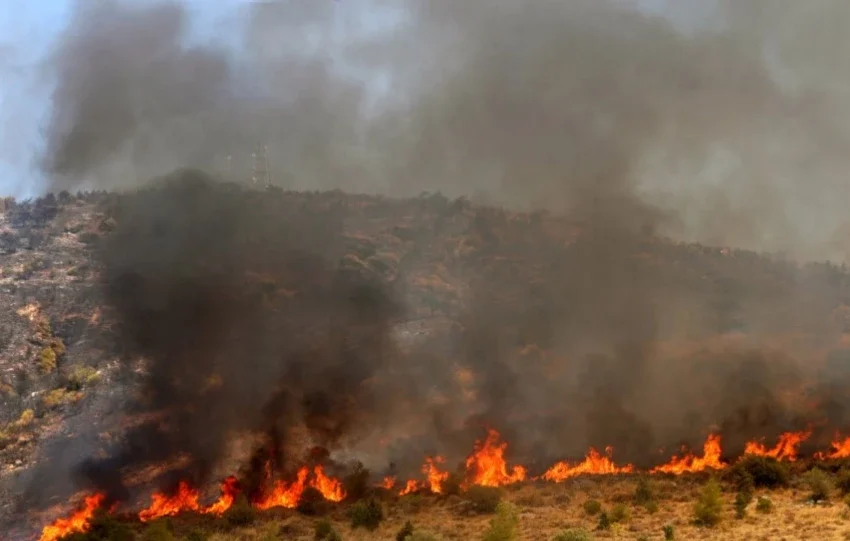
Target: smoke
[{"x": 246, "y": 310}]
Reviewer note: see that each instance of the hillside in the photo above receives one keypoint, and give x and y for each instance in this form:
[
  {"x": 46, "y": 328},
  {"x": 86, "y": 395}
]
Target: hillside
[{"x": 480, "y": 288}]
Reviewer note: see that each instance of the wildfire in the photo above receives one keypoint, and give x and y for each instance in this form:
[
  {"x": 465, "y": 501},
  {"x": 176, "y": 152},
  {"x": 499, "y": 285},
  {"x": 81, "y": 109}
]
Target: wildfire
[
  {"x": 162, "y": 505},
  {"x": 594, "y": 464},
  {"x": 288, "y": 494},
  {"x": 388, "y": 483},
  {"x": 487, "y": 466},
  {"x": 78, "y": 522},
  {"x": 330, "y": 488},
  {"x": 840, "y": 449},
  {"x": 434, "y": 477},
  {"x": 690, "y": 463},
  {"x": 785, "y": 449},
  {"x": 229, "y": 490}
]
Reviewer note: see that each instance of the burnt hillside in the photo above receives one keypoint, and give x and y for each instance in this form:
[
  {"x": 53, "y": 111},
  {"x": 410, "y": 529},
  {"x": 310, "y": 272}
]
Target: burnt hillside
[{"x": 477, "y": 283}]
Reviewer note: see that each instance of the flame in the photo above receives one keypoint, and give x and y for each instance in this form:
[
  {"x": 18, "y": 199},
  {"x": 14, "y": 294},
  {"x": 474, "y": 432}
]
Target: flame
[
  {"x": 330, "y": 488},
  {"x": 486, "y": 466},
  {"x": 785, "y": 449},
  {"x": 410, "y": 487},
  {"x": 78, "y": 522},
  {"x": 185, "y": 499},
  {"x": 594, "y": 464},
  {"x": 840, "y": 449},
  {"x": 690, "y": 463},
  {"x": 229, "y": 490},
  {"x": 283, "y": 494},
  {"x": 388, "y": 482}
]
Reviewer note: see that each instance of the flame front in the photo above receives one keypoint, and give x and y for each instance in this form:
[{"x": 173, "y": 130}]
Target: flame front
[
  {"x": 285, "y": 495},
  {"x": 487, "y": 466},
  {"x": 690, "y": 463},
  {"x": 229, "y": 490},
  {"x": 594, "y": 464},
  {"x": 434, "y": 477},
  {"x": 840, "y": 449},
  {"x": 78, "y": 522},
  {"x": 186, "y": 499},
  {"x": 785, "y": 449},
  {"x": 330, "y": 488},
  {"x": 388, "y": 482}
]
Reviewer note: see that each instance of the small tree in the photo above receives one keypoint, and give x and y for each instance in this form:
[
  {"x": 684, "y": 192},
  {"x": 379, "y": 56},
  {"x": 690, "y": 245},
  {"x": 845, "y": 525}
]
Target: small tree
[
  {"x": 504, "y": 526},
  {"x": 708, "y": 509}
]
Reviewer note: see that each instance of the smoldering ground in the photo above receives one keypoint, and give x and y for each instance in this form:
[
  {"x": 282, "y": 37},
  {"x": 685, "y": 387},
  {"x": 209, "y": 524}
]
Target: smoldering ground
[{"x": 239, "y": 306}]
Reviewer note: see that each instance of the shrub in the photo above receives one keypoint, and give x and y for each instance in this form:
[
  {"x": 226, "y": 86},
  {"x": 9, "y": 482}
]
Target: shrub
[
  {"x": 197, "y": 535},
  {"x": 356, "y": 483},
  {"x": 709, "y": 508},
  {"x": 842, "y": 483},
  {"x": 483, "y": 499},
  {"x": 81, "y": 376},
  {"x": 47, "y": 360},
  {"x": 651, "y": 507},
  {"x": 103, "y": 527},
  {"x": 574, "y": 534},
  {"x": 604, "y": 522},
  {"x": 742, "y": 500},
  {"x": 620, "y": 513},
  {"x": 503, "y": 527},
  {"x": 669, "y": 532},
  {"x": 764, "y": 505},
  {"x": 322, "y": 529},
  {"x": 241, "y": 513},
  {"x": 405, "y": 531},
  {"x": 451, "y": 485},
  {"x": 311, "y": 502},
  {"x": 366, "y": 514},
  {"x": 760, "y": 471},
  {"x": 819, "y": 484},
  {"x": 158, "y": 531},
  {"x": 26, "y": 418},
  {"x": 592, "y": 507},
  {"x": 644, "y": 492}
]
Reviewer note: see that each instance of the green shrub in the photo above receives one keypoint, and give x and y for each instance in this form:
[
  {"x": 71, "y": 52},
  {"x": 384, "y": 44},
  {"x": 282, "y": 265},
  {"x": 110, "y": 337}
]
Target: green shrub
[
  {"x": 503, "y": 526},
  {"x": 405, "y": 531},
  {"x": 311, "y": 502},
  {"x": 197, "y": 535},
  {"x": 742, "y": 500},
  {"x": 669, "y": 532},
  {"x": 103, "y": 527},
  {"x": 708, "y": 509},
  {"x": 47, "y": 360},
  {"x": 322, "y": 529},
  {"x": 842, "y": 481},
  {"x": 651, "y": 507},
  {"x": 241, "y": 513},
  {"x": 483, "y": 499},
  {"x": 764, "y": 505},
  {"x": 819, "y": 483},
  {"x": 356, "y": 483},
  {"x": 574, "y": 534},
  {"x": 158, "y": 531},
  {"x": 592, "y": 507},
  {"x": 760, "y": 471},
  {"x": 620, "y": 513},
  {"x": 644, "y": 492},
  {"x": 366, "y": 514},
  {"x": 604, "y": 522}
]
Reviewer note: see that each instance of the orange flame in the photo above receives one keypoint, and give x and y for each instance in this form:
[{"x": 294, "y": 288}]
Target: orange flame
[
  {"x": 283, "y": 494},
  {"x": 330, "y": 488},
  {"x": 186, "y": 499},
  {"x": 78, "y": 522},
  {"x": 785, "y": 449},
  {"x": 434, "y": 477},
  {"x": 487, "y": 466},
  {"x": 840, "y": 449},
  {"x": 594, "y": 464},
  {"x": 410, "y": 487},
  {"x": 229, "y": 490},
  {"x": 388, "y": 482},
  {"x": 690, "y": 463}
]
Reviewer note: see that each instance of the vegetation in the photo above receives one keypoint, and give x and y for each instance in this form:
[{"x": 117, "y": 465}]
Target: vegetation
[
  {"x": 592, "y": 507},
  {"x": 323, "y": 530},
  {"x": 241, "y": 513},
  {"x": 708, "y": 509},
  {"x": 356, "y": 484},
  {"x": 820, "y": 486},
  {"x": 669, "y": 532},
  {"x": 764, "y": 505},
  {"x": 405, "y": 531},
  {"x": 758, "y": 471},
  {"x": 483, "y": 499},
  {"x": 574, "y": 534},
  {"x": 504, "y": 526},
  {"x": 158, "y": 531},
  {"x": 644, "y": 492},
  {"x": 366, "y": 514}
]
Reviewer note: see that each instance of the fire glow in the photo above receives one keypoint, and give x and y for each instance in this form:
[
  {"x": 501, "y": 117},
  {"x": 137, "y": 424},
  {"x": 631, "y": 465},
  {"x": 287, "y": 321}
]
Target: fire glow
[{"x": 486, "y": 466}]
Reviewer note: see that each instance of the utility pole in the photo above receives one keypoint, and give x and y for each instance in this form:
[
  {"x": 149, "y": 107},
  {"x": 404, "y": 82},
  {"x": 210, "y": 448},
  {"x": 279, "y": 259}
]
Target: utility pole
[{"x": 261, "y": 176}]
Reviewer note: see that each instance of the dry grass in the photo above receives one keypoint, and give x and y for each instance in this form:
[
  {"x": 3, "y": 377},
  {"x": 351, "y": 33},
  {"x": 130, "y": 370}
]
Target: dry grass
[{"x": 547, "y": 510}]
